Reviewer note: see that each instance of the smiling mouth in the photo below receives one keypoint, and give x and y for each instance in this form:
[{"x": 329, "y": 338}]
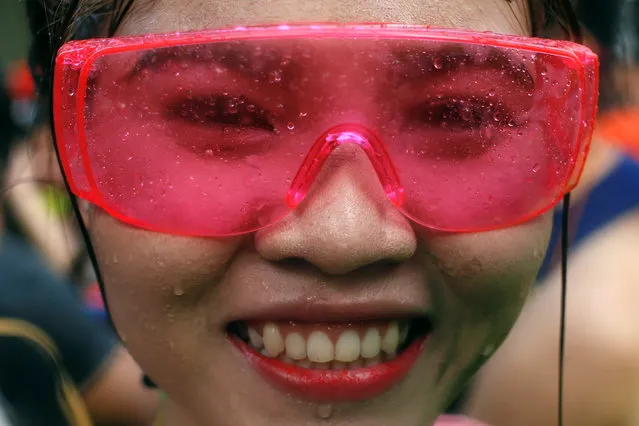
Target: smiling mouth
[
  {"x": 332, "y": 361},
  {"x": 334, "y": 346}
]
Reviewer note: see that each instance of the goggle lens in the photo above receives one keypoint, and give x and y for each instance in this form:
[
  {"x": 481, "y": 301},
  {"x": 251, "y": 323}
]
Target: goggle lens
[{"x": 226, "y": 137}]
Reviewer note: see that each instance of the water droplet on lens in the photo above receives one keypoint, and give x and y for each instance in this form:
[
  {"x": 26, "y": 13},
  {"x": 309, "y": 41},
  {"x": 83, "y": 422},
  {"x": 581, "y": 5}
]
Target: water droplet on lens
[
  {"x": 325, "y": 411},
  {"x": 250, "y": 107},
  {"x": 487, "y": 132},
  {"x": 466, "y": 114},
  {"x": 274, "y": 76},
  {"x": 438, "y": 63},
  {"x": 231, "y": 106}
]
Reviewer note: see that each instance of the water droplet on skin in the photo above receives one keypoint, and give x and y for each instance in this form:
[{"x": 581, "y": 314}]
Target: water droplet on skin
[
  {"x": 325, "y": 411},
  {"x": 303, "y": 114},
  {"x": 177, "y": 291},
  {"x": 438, "y": 63},
  {"x": 491, "y": 93},
  {"x": 535, "y": 168},
  {"x": 544, "y": 72},
  {"x": 115, "y": 259},
  {"x": 290, "y": 126},
  {"x": 208, "y": 152},
  {"x": 497, "y": 116},
  {"x": 511, "y": 123}
]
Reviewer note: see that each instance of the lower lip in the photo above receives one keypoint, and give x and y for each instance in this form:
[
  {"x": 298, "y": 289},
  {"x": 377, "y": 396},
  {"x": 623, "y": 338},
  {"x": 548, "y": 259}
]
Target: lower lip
[{"x": 334, "y": 385}]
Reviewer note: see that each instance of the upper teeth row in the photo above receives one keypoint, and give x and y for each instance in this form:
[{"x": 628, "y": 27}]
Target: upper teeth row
[{"x": 319, "y": 348}]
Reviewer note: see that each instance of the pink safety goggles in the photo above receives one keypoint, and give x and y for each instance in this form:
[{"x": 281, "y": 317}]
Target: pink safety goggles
[{"x": 224, "y": 132}]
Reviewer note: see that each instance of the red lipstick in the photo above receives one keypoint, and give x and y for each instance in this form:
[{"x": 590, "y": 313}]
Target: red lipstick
[{"x": 334, "y": 385}]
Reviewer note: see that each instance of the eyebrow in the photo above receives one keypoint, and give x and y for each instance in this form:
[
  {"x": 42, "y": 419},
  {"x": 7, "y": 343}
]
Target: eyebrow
[
  {"x": 238, "y": 59},
  {"x": 453, "y": 60}
]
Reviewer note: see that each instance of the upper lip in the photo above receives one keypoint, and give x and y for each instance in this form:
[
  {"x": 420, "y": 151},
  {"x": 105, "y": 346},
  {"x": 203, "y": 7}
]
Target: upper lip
[
  {"x": 263, "y": 291},
  {"x": 302, "y": 311}
]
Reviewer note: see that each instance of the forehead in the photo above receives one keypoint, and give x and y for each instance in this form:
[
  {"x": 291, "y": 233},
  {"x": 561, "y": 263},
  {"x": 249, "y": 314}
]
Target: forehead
[{"x": 156, "y": 16}]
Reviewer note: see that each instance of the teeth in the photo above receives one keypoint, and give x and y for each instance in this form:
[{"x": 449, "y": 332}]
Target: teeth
[
  {"x": 371, "y": 344},
  {"x": 348, "y": 347},
  {"x": 286, "y": 359},
  {"x": 273, "y": 341},
  {"x": 319, "y": 348},
  {"x": 266, "y": 353},
  {"x": 295, "y": 346},
  {"x": 255, "y": 338},
  {"x": 391, "y": 339},
  {"x": 354, "y": 347}
]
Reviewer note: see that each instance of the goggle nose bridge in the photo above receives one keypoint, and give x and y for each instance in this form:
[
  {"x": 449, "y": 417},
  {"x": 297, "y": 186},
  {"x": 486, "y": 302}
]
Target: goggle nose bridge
[{"x": 332, "y": 139}]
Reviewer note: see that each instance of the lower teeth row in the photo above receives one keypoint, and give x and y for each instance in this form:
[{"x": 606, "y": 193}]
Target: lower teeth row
[{"x": 333, "y": 365}]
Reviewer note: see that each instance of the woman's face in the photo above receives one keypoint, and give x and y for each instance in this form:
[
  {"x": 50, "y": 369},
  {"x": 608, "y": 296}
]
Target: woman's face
[{"x": 343, "y": 263}]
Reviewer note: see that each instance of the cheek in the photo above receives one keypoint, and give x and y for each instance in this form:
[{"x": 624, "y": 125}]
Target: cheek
[
  {"x": 152, "y": 278},
  {"x": 489, "y": 274}
]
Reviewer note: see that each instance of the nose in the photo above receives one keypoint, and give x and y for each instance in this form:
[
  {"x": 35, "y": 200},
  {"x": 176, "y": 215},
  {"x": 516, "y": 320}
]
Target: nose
[{"x": 344, "y": 223}]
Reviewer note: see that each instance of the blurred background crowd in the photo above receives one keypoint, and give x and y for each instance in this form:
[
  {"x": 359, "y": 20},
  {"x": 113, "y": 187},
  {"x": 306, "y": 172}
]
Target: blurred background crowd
[{"x": 61, "y": 363}]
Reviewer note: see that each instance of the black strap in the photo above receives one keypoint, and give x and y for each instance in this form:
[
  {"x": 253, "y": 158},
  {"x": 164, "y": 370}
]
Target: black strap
[{"x": 565, "y": 238}]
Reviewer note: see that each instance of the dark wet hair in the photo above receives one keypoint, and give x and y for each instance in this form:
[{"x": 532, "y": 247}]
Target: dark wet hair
[{"x": 614, "y": 25}]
